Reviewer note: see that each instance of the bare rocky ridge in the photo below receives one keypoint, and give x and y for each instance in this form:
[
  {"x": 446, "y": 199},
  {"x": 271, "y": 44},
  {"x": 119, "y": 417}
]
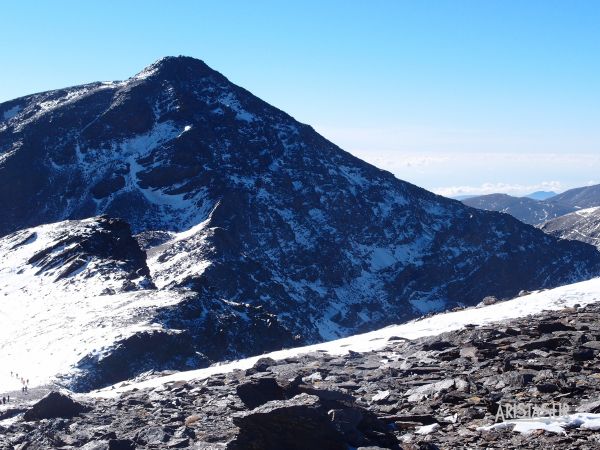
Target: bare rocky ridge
[
  {"x": 583, "y": 225},
  {"x": 370, "y": 400},
  {"x": 580, "y": 198},
  {"x": 101, "y": 248}
]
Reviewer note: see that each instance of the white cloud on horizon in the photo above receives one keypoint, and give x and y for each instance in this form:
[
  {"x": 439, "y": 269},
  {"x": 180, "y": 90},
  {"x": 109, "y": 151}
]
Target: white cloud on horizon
[
  {"x": 413, "y": 139},
  {"x": 400, "y": 159},
  {"x": 477, "y": 173},
  {"x": 504, "y": 188}
]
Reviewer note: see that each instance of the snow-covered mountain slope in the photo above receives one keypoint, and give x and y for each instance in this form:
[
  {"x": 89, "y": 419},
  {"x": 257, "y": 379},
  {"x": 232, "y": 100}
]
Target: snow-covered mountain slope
[
  {"x": 77, "y": 305},
  {"x": 527, "y": 210},
  {"x": 583, "y": 293},
  {"x": 45, "y": 336},
  {"x": 582, "y": 225},
  {"x": 96, "y": 256},
  {"x": 270, "y": 230},
  {"x": 71, "y": 289}
]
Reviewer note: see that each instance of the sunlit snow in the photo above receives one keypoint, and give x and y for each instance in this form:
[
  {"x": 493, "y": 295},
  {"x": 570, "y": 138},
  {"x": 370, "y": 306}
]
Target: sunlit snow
[
  {"x": 12, "y": 112},
  {"x": 552, "y": 424},
  {"x": 48, "y": 325}
]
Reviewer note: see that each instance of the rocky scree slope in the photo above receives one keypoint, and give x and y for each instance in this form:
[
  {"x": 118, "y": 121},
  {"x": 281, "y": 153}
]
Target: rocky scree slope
[
  {"x": 244, "y": 208},
  {"x": 430, "y": 393},
  {"x": 582, "y": 225}
]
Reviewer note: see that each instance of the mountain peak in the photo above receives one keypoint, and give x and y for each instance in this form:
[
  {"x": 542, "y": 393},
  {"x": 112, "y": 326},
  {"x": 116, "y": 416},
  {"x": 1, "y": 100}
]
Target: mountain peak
[
  {"x": 174, "y": 66},
  {"x": 239, "y": 204}
]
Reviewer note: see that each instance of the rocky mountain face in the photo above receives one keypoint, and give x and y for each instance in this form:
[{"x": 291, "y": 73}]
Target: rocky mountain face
[
  {"x": 582, "y": 225},
  {"x": 538, "y": 207},
  {"x": 256, "y": 232},
  {"x": 439, "y": 392}
]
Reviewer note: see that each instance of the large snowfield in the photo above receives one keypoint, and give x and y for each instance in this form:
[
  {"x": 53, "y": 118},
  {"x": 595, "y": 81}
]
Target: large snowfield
[
  {"x": 48, "y": 325},
  {"x": 41, "y": 337},
  {"x": 582, "y": 294}
]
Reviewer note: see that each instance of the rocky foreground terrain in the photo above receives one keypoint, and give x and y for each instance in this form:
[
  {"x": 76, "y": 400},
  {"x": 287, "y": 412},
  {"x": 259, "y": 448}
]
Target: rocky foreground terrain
[{"x": 428, "y": 393}]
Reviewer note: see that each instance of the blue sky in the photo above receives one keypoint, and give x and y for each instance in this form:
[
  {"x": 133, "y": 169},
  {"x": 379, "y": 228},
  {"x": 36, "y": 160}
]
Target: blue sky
[{"x": 456, "y": 96}]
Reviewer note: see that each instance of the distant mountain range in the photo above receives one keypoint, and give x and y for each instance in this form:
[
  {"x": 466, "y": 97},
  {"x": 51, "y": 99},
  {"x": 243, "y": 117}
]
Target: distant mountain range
[
  {"x": 523, "y": 208},
  {"x": 538, "y": 195},
  {"x": 240, "y": 231},
  {"x": 532, "y": 211},
  {"x": 541, "y": 195}
]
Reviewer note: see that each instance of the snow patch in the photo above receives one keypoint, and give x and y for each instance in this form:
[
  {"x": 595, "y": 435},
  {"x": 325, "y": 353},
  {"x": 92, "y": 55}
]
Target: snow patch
[
  {"x": 230, "y": 101},
  {"x": 552, "y": 424},
  {"x": 12, "y": 112},
  {"x": 427, "y": 429},
  {"x": 382, "y": 258},
  {"x": 381, "y": 395},
  {"x": 587, "y": 212}
]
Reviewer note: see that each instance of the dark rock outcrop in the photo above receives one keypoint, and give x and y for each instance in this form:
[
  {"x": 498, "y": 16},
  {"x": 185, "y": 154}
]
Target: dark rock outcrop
[
  {"x": 141, "y": 352},
  {"x": 260, "y": 391},
  {"x": 55, "y": 405},
  {"x": 73, "y": 247},
  {"x": 304, "y": 422}
]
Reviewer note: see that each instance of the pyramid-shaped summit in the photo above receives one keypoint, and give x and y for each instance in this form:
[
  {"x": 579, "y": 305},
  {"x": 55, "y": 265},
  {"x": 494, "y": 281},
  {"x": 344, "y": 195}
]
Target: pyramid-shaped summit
[
  {"x": 237, "y": 202},
  {"x": 176, "y": 67}
]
